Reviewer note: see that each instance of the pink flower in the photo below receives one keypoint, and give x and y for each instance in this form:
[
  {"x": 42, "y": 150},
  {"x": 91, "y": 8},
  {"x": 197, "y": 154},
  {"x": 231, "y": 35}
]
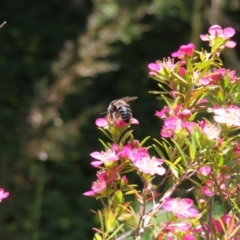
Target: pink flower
[
  {"x": 184, "y": 50},
  {"x": 124, "y": 180},
  {"x": 157, "y": 67},
  {"x": 140, "y": 152},
  {"x": 182, "y": 208},
  {"x": 121, "y": 123},
  {"x": 206, "y": 191},
  {"x": 104, "y": 157},
  {"x": 133, "y": 144},
  {"x": 126, "y": 152},
  {"x": 228, "y": 115},
  {"x": 189, "y": 237},
  {"x": 221, "y": 186},
  {"x": 107, "y": 176},
  {"x": 3, "y": 194},
  {"x": 212, "y": 78},
  {"x": 216, "y": 31},
  {"x": 212, "y": 131},
  {"x": 97, "y": 187},
  {"x": 205, "y": 170},
  {"x": 149, "y": 165},
  {"x": 225, "y": 222},
  {"x": 236, "y": 150},
  {"x": 179, "y": 111},
  {"x": 172, "y": 124},
  {"x": 103, "y": 179},
  {"x": 102, "y": 122}
]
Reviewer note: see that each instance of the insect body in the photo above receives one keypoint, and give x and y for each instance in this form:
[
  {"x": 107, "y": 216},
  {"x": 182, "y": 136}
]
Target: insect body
[{"x": 120, "y": 110}]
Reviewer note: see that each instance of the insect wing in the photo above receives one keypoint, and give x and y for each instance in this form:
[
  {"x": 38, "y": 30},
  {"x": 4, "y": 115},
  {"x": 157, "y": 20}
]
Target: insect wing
[{"x": 128, "y": 99}]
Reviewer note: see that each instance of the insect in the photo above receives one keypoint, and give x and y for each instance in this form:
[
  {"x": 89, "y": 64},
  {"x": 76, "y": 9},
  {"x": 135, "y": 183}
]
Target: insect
[{"x": 120, "y": 110}]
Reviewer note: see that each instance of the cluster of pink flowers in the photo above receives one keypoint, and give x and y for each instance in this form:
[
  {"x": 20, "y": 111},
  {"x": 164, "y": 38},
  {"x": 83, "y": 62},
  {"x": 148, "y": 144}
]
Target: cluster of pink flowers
[
  {"x": 213, "y": 78},
  {"x": 218, "y": 186},
  {"x": 198, "y": 148},
  {"x": 132, "y": 153},
  {"x": 175, "y": 120}
]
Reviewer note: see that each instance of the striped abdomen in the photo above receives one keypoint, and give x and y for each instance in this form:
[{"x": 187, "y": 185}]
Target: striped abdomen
[{"x": 125, "y": 113}]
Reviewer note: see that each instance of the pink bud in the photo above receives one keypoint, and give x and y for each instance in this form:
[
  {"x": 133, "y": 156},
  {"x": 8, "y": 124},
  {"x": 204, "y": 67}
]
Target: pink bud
[{"x": 205, "y": 170}]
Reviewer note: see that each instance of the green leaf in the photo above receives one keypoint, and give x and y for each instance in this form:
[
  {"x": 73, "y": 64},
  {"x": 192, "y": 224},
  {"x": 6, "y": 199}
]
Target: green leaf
[
  {"x": 125, "y": 136},
  {"x": 189, "y": 66},
  {"x": 115, "y": 232},
  {"x": 220, "y": 162},
  {"x": 181, "y": 79},
  {"x": 195, "y": 182},
  {"x": 160, "y": 153},
  {"x": 173, "y": 168},
  {"x": 118, "y": 198},
  {"x": 169, "y": 101},
  {"x": 103, "y": 143},
  {"x": 203, "y": 65},
  {"x": 197, "y": 94},
  {"x": 144, "y": 140},
  {"x": 180, "y": 152},
  {"x": 220, "y": 96},
  {"x": 110, "y": 221},
  {"x": 97, "y": 237},
  {"x": 105, "y": 133},
  {"x": 101, "y": 220},
  {"x": 192, "y": 150}
]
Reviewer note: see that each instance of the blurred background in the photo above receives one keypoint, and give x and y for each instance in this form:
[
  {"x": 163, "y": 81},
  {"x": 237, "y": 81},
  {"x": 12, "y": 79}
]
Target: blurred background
[{"x": 61, "y": 63}]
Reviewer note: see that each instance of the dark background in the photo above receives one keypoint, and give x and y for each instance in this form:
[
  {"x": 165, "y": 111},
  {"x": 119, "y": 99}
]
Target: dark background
[{"x": 61, "y": 63}]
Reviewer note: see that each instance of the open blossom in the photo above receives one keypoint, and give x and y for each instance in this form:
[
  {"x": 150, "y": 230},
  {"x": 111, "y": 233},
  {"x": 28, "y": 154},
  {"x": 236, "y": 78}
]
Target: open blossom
[
  {"x": 104, "y": 157},
  {"x": 149, "y": 165},
  {"x": 154, "y": 68},
  {"x": 179, "y": 111},
  {"x": 145, "y": 163},
  {"x": 103, "y": 179},
  {"x": 121, "y": 123},
  {"x": 3, "y": 194},
  {"x": 216, "y": 31},
  {"x": 180, "y": 207},
  {"x": 97, "y": 187},
  {"x": 172, "y": 124},
  {"x": 184, "y": 50},
  {"x": 212, "y": 131},
  {"x": 101, "y": 122},
  {"x": 104, "y": 122},
  {"x": 212, "y": 78},
  {"x": 228, "y": 115},
  {"x": 125, "y": 152}
]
